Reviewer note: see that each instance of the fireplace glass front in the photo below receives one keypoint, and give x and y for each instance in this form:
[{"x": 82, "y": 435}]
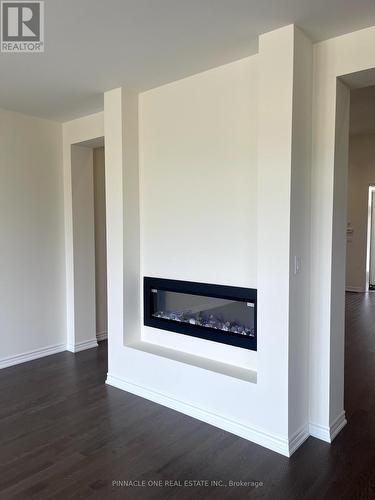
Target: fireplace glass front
[{"x": 214, "y": 312}]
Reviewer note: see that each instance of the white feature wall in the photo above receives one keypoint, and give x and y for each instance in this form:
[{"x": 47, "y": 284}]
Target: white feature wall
[
  {"x": 198, "y": 168},
  {"x": 200, "y": 196},
  {"x": 32, "y": 269},
  {"x": 198, "y": 164}
]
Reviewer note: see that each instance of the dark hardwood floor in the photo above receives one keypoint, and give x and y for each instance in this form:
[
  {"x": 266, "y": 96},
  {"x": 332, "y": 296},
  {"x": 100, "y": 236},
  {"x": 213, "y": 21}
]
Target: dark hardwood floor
[{"x": 65, "y": 434}]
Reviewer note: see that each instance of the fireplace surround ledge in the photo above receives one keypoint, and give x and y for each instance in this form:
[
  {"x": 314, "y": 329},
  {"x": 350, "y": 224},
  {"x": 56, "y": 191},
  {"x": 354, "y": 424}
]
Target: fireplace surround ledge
[{"x": 240, "y": 373}]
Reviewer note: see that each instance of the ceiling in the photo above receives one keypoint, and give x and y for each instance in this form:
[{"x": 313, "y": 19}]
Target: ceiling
[
  {"x": 94, "y": 45},
  {"x": 362, "y": 111}
]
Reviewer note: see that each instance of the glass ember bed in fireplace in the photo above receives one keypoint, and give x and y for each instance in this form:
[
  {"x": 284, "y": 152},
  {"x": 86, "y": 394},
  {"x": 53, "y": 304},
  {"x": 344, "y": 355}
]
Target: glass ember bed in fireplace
[{"x": 213, "y": 312}]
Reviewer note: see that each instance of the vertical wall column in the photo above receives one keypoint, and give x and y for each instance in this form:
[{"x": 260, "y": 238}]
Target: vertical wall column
[
  {"x": 122, "y": 207},
  {"x": 283, "y": 220},
  {"x": 113, "y": 130},
  {"x": 68, "y": 226},
  {"x": 131, "y": 212},
  {"x": 328, "y": 224},
  {"x": 274, "y": 179},
  {"x": 337, "y": 418},
  {"x": 299, "y": 269}
]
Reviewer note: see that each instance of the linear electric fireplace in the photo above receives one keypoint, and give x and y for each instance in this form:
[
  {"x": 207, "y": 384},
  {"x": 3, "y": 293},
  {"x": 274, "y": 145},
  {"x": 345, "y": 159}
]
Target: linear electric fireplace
[{"x": 219, "y": 313}]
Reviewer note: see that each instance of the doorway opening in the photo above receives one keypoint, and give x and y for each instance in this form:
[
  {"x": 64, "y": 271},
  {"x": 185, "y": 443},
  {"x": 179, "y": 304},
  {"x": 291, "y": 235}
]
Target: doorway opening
[
  {"x": 89, "y": 243},
  {"x": 360, "y": 257}
]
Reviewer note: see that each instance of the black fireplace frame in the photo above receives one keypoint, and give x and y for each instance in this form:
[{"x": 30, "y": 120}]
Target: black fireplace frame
[{"x": 209, "y": 290}]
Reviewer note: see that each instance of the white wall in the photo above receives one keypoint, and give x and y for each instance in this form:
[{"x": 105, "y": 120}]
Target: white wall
[
  {"x": 198, "y": 167},
  {"x": 283, "y": 220},
  {"x": 32, "y": 274},
  {"x": 100, "y": 243},
  {"x": 361, "y": 175},
  {"x": 274, "y": 185},
  {"x": 337, "y": 347},
  {"x": 299, "y": 255}
]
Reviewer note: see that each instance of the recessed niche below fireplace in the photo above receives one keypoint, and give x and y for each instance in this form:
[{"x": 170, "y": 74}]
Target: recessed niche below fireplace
[{"x": 218, "y": 313}]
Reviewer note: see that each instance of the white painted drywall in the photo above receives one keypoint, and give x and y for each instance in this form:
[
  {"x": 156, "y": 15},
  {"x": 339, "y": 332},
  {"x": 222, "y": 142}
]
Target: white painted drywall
[
  {"x": 83, "y": 244},
  {"x": 199, "y": 173},
  {"x": 299, "y": 267},
  {"x": 274, "y": 184},
  {"x": 199, "y": 188},
  {"x": 337, "y": 347},
  {"x": 114, "y": 210},
  {"x": 122, "y": 207},
  {"x": 32, "y": 273},
  {"x": 100, "y": 243},
  {"x": 360, "y": 176},
  {"x": 283, "y": 227}
]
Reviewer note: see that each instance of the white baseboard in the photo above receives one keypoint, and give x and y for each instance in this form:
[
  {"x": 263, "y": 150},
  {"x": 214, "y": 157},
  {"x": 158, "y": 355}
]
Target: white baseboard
[
  {"x": 101, "y": 336},
  {"x": 320, "y": 432},
  {"x": 328, "y": 433},
  {"x": 30, "y": 355},
  {"x": 273, "y": 442},
  {"x": 298, "y": 439},
  {"x": 82, "y": 346},
  {"x": 356, "y": 289},
  {"x": 337, "y": 425}
]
